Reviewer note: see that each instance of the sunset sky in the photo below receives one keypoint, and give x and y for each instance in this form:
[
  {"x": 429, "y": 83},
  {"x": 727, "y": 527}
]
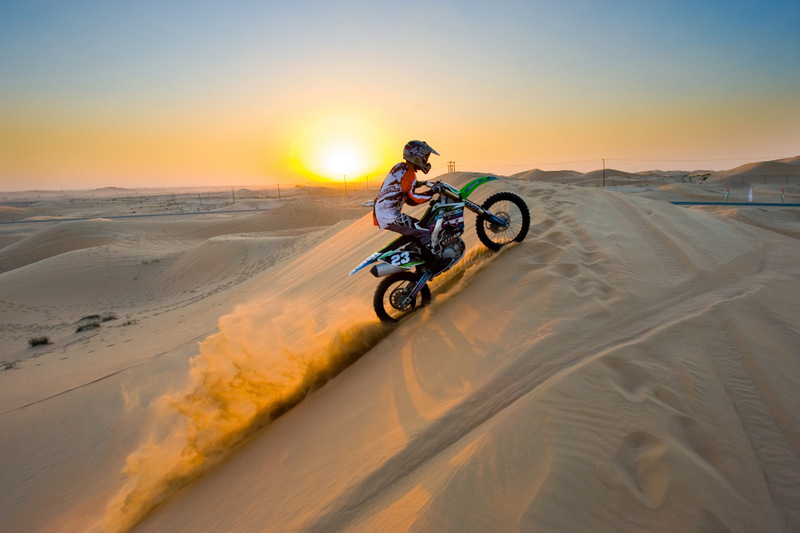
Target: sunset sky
[{"x": 158, "y": 93}]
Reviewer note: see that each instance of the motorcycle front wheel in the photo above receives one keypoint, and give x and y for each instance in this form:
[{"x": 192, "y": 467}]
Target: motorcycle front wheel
[
  {"x": 391, "y": 295},
  {"x": 510, "y": 208}
]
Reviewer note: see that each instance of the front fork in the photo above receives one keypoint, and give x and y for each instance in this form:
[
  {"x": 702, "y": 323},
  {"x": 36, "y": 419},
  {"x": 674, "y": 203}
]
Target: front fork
[
  {"x": 426, "y": 276},
  {"x": 483, "y": 212}
]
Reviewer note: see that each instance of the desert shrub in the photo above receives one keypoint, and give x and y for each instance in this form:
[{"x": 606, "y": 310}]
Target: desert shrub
[
  {"x": 37, "y": 341},
  {"x": 108, "y": 317},
  {"x": 89, "y": 325}
]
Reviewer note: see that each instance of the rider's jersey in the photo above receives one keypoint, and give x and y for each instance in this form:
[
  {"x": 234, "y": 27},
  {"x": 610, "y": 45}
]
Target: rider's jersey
[{"x": 397, "y": 188}]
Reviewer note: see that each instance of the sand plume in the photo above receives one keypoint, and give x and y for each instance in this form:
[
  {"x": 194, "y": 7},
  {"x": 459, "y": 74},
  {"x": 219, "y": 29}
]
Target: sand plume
[{"x": 251, "y": 371}]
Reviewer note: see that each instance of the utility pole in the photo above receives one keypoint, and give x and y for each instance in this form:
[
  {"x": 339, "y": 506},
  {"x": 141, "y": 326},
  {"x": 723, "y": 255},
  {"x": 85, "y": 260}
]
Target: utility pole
[
  {"x": 451, "y": 166},
  {"x": 345, "y": 183},
  {"x": 604, "y": 172}
]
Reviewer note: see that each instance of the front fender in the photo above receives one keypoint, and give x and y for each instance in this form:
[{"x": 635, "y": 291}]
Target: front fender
[{"x": 474, "y": 184}]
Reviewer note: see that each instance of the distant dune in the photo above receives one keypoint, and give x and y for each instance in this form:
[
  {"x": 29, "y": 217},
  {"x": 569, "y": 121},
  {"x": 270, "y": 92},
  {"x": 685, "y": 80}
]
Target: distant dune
[
  {"x": 781, "y": 167},
  {"x": 543, "y": 175}
]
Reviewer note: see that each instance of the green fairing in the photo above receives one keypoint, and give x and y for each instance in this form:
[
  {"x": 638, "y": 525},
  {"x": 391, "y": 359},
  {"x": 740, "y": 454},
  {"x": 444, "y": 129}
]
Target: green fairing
[{"x": 474, "y": 184}]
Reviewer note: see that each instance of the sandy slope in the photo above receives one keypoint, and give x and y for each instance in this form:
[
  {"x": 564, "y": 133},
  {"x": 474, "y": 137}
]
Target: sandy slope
[
  {"x": 73, "y": 410},
  {"x": 631, "y": 366}
]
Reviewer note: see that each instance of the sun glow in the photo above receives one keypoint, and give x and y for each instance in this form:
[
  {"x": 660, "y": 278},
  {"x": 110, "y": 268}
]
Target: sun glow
[
  {"x": 338, "y": 159},
  {"x": 341, "y": 146}
]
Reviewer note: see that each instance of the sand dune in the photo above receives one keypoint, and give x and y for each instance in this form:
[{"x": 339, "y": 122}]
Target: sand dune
[
  {"x": 631, "y": 366},
  {"x": 781, "y": 167},
  {"x": 544, "y": 175}
]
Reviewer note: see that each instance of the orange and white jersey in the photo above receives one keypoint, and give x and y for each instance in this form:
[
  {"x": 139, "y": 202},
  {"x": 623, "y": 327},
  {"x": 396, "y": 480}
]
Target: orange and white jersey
[{"x": 398, "y": 187}]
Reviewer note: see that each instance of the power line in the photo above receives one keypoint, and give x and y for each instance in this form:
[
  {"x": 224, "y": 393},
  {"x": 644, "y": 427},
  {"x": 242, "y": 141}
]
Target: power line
[
  {"x": 600, "y": 160},
  {"x": 759, "y": 159},
  {"x": 533, "y": 165}
]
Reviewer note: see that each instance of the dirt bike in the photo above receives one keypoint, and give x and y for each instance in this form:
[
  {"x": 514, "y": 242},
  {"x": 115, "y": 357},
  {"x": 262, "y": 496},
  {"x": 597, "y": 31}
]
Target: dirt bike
[{"x": 503, "y": 218}]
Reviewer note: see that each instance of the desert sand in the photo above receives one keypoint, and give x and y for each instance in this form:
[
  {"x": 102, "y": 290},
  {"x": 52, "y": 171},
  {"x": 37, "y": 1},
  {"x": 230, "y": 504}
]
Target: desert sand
[{"x": 633, "y": 365}]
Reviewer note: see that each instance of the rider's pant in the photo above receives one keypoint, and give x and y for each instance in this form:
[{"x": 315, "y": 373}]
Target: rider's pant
[{"x": 407, "y": 225}]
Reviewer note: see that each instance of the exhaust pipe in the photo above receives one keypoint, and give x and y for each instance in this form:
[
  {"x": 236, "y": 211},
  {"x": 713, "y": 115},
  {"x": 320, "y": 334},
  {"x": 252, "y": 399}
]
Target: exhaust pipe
[{"x": 384, "y": 269}]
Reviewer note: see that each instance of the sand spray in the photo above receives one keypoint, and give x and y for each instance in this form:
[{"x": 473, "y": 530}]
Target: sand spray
[{"x": 265, "y": 359}]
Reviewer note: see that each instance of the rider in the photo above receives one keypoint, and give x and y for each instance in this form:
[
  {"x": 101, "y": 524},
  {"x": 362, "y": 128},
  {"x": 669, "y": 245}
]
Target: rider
[{"x": 398, "y": 187}]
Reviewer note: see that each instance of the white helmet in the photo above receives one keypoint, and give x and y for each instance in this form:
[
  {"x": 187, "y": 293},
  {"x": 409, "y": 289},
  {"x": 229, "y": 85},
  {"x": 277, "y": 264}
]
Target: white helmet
[{"x": 417, "y": 153}]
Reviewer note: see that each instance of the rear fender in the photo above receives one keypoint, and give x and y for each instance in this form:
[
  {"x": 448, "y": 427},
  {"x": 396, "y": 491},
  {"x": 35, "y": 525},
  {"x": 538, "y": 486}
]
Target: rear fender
[{"x": 366, "y": 262}]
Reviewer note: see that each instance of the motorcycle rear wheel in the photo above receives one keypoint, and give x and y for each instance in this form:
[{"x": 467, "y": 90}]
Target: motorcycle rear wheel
[
  {"x": 509, "y": 207},
  {"x": 390, "y": 293}
]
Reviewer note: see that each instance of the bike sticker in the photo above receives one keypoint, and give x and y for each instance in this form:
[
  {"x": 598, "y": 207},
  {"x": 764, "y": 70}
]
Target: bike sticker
[{"x": 400, "y": 259}]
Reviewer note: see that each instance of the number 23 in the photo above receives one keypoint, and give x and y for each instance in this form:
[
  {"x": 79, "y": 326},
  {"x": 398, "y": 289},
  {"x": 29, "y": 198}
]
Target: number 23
[{"x": 400, "y": 259}]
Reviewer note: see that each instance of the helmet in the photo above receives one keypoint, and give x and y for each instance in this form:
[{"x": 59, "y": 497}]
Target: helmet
[{"x": 417, "y": 153}]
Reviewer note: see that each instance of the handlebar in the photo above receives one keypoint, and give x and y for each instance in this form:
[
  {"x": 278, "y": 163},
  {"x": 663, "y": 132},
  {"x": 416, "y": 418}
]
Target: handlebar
[{"x": 441, "y": 188}]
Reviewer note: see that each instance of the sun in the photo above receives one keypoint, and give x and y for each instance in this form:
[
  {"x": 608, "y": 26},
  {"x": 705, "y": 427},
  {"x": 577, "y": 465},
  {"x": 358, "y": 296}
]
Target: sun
[
  {"x": 340, "y": 146},
  {"x": 340, "y": 158}
]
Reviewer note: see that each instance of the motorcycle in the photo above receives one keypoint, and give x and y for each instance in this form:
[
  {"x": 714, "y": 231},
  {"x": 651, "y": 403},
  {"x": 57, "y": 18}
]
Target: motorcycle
[{"x": 503, "y": 218}]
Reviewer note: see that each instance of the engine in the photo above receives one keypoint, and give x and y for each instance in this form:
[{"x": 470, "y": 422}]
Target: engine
[{"x": 449, "y": 245}]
